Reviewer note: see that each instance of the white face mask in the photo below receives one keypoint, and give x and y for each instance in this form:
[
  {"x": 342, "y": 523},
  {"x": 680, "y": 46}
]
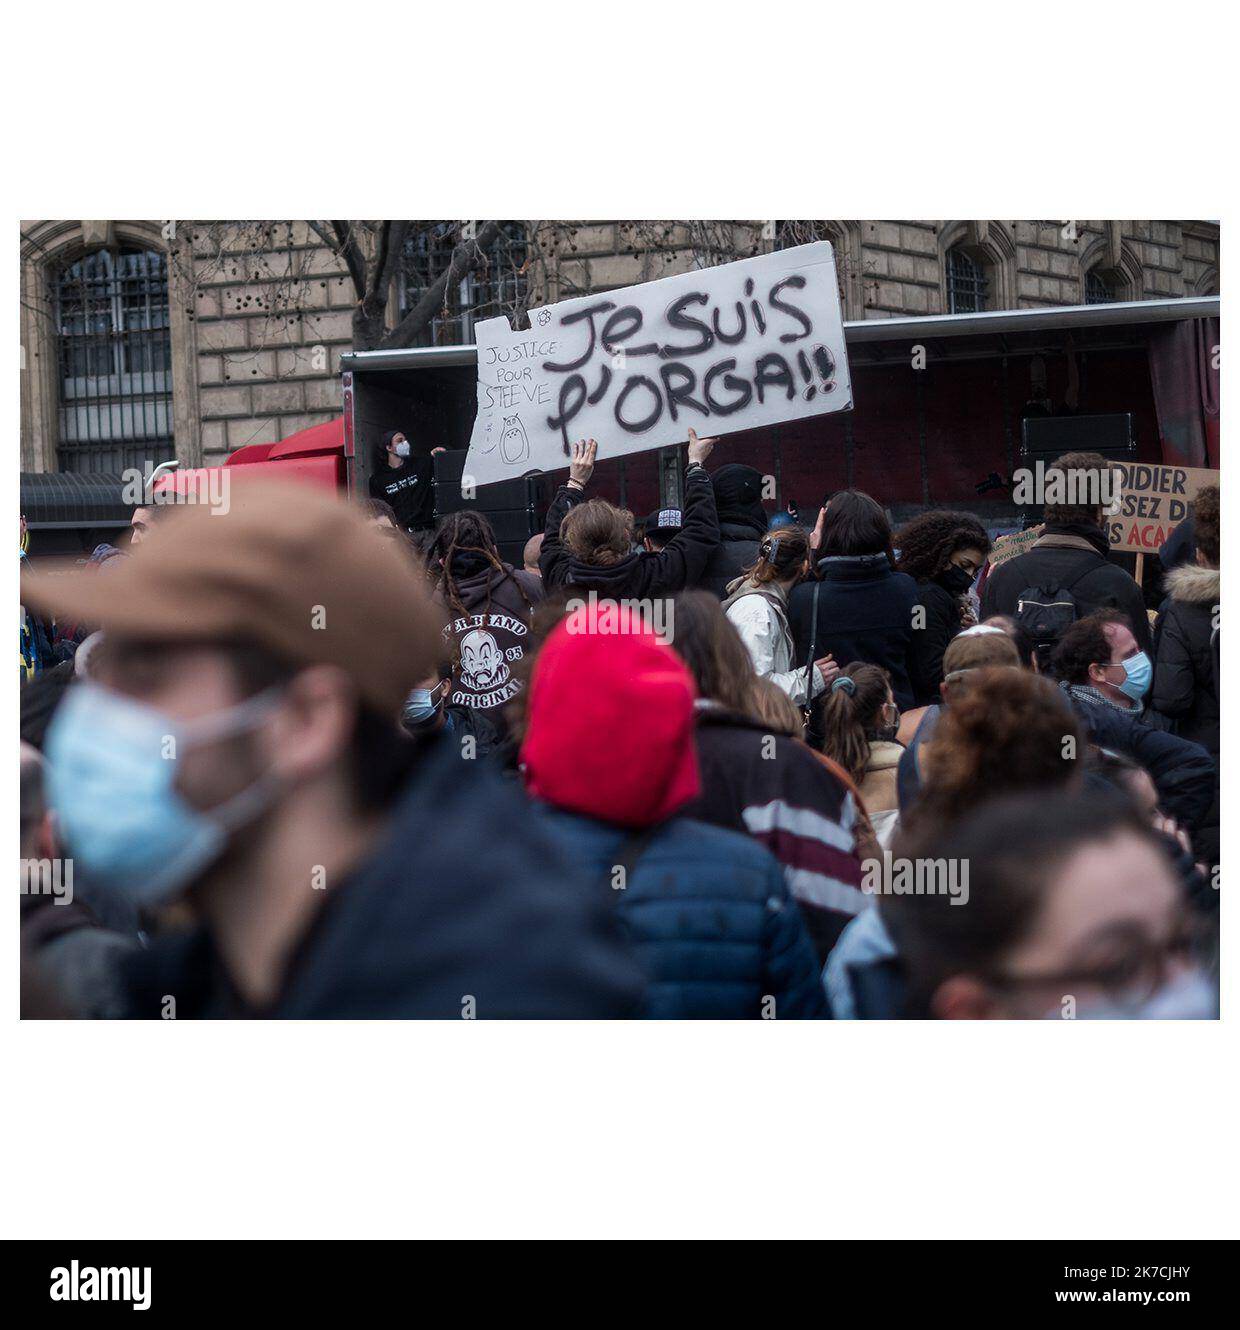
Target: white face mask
[{"x": 402, "y": 448}]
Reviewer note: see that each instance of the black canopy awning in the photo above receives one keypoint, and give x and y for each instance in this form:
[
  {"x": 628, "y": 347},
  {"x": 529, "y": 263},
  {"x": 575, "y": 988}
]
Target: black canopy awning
[{"x": 61, "y": 500}]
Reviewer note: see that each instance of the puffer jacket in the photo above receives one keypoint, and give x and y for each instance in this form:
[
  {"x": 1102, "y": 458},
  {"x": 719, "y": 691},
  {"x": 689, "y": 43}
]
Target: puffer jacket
[
  {"x": 609, "y": 753},
  {"x": 760, "y": 615},
  {"x": 1186, "y": 662},
  {"x": 709, "y": 918}
]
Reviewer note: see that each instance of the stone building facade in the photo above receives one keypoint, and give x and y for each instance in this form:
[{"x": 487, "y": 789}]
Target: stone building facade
[{"x": 246, "y": 345}]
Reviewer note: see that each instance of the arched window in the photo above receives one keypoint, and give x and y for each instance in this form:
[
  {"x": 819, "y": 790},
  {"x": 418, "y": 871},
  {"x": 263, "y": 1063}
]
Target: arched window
[
  {"x": 1098, "y": 291},
  {"x": 114, "y": 354},
  {"x": 487, "y": 292},
  {"x": 966, "y": 283}
]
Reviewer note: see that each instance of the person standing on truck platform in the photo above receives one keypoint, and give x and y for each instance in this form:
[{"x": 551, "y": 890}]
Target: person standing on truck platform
[{"x": 404, "y": 478}]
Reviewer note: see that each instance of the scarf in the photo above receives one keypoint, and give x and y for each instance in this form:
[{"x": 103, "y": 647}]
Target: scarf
[{"x": 1083, "y": 692}]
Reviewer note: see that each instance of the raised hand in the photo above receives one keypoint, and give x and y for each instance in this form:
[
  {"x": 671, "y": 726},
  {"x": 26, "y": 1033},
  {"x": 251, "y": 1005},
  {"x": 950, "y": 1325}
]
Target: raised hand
[
  {"x": 581, "y": 468},
  {"x": 699, "y": 449}
]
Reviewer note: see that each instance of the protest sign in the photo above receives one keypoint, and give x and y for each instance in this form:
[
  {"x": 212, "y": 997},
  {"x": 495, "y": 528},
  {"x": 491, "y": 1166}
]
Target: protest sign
[
  {"x": 1014, "y": 543},
  {"x": 718, "y": 350},
  {"x": 1153, "y": 500}
]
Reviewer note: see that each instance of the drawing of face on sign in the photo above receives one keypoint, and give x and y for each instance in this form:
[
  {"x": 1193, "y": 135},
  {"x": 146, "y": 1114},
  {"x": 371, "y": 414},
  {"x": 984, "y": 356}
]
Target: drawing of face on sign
[
  {"x": 514, "y": 446},
  {"x": 482, "y": 662}
]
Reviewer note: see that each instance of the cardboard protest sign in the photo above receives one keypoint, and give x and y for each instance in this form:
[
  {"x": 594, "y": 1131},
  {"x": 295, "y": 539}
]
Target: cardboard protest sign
[
  {"x": 1016, "y": 542},
  {"x": 1153, "y": 500},
  {"x": 718, "y": 350}
]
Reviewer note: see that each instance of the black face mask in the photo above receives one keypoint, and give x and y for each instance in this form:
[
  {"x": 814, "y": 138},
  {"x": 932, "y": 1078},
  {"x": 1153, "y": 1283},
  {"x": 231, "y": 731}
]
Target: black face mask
[{"x": 954, "y": 580}]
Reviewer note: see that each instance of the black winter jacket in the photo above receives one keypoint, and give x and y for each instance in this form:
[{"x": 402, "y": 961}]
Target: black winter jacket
[
  {"x": 932, "y": 640},
  {"x": 1183, "y": 772},
  {"x": 736, "y": 551},
  {"x": 1058, "y": 556},
  {"x": 1186, "y": 659},
  {"x": 469, "y": 894},
  {"x": 642, "y": 575},
  {"x": 865, "y": 612}
]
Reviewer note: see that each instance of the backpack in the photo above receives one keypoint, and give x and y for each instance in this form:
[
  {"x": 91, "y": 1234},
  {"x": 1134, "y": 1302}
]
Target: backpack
[{"x": 1045, "y": 612}]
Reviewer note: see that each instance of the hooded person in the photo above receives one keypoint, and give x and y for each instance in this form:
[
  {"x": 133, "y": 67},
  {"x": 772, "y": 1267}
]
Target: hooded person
[
  {"x": 609, "y": 745},
  {"x": 588, "y": 543},
  {"x": 237, "y": 748},
  {"x": 404, "y": 478},
  {"x": 489, "y": 604},
  {"x": 1186, "y": 659},
  {"x": 742, "y": 524}
]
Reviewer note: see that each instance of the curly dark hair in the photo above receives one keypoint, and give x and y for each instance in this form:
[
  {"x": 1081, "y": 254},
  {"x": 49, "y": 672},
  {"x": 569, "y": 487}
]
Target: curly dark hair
[
  {"x": 1206, "y": 523},
  {"x": 1083, "y": 644},
  {"x": 1007, "y": 734},
  {"x": 927, "y": 541}
]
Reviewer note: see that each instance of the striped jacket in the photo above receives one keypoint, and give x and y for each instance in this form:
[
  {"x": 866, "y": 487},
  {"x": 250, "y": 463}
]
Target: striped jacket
[{"x": 775, "y": 789}]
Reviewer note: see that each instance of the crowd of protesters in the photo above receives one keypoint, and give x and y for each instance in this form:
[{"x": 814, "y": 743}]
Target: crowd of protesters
[{"x": 286, "y": 761}]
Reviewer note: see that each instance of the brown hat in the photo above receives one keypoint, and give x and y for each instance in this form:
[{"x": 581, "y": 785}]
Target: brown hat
[{"x": 285, "y": 566}]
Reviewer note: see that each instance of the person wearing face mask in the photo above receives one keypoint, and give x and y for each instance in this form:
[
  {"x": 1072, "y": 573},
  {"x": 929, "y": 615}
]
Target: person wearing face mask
[
  {"x": 858, "y": 720},
  {"x": 237, "y": 751},
  {"x": 943, "y": 553},
  {"x": 1106, "y": 676},
  {"x": 404, "y": 478},
  {"x": 428, "y": 710},
  {"x": 1073, "y": 913}
]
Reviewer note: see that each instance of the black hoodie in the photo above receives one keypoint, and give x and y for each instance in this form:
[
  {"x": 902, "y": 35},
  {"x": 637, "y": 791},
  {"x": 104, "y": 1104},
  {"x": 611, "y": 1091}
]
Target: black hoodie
[
  {"x": 488, "y": 626},
  {"x": 408, "y": 488},
  {"x": 742, "y": 524},
  {"x": 641, "y": 575}
]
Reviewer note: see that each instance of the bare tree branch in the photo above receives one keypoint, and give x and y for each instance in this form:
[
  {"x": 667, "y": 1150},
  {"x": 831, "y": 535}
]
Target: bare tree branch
[{"x": 468, "y": 255}]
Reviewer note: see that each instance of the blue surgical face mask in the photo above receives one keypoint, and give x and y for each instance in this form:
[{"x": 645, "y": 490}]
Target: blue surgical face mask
[
  {"x": 1137, "y": 675},
  {"x": 423, "y": 705},
  {"x": 112, "y": 767}
]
